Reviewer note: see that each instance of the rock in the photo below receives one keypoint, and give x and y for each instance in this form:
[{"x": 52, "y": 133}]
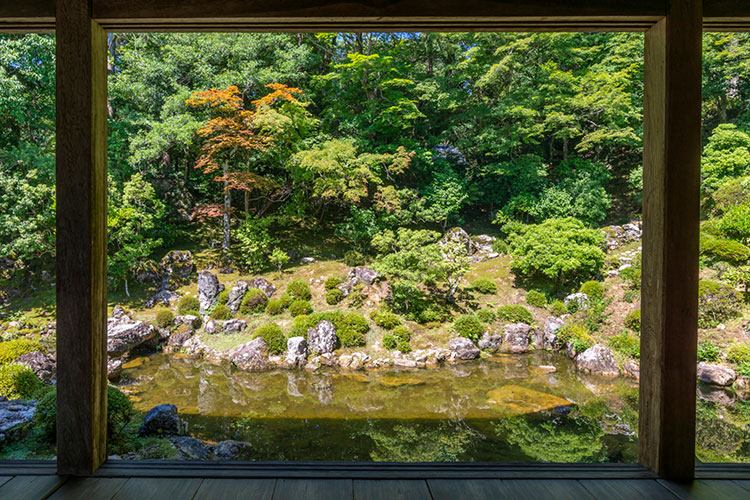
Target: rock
[
  {"x": 364, "y": 274},
  {"x": 191, "y": 320},
  {"x": 13, "y": 415},
  {"x": 463, "y": 348},
  {"x": 234, "y": 325},
  {"x": 296, "y": 351},
  {"x": 346, "y": 288},
  {"x": 123, "y": 334},
  {"x": 236, "y": 294},
  {"x": 404, "y": 363},
  {"x": 114, "y": 368},
  {"x": 209, "y": 289},
  {"x": 400, "y": 381},
  {"x": 715, "y": 374},
  {"x": 178, "y": 263},
  {"x": 322, "y": 338},
  {"x": 192, "y": 447},
  {"x": 307, "y": 260},
  {"x": 233, "y": 450},
  {"x": 163, "y": 296},
  {"x": 632, "y": 369},
  {"x": 161, "y": 420},
  {"x": 483, "y": 242},
  {"x": 459, "y": 235},
  {"x": 44, "y": 365},
  {"x": 551, "y": 326},
  {"x": 716, "y": 395},
  {"x": 517, "y": 337},
  {"x": 490, "y": 341},
  {"x": 742, "y": 384},
  {"x": 262, "y": 284},
  {"x": 178, "y": 339},
  {"x": 118, "y": 313},
  {"x": 251, "y": 356},
  {"x": 581, "y": 300},
  {"x": 211, "y": 326},
  {"x": 598, "y": 360}
]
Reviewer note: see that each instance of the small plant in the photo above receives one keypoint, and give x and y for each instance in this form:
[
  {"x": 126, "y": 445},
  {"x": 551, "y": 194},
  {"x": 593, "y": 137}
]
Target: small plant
[
  {"x": 254, "y": 302},
  {"x": 716, "y": 303},
  {"x": 633, "y": 321},
  {"x": 484, "y": 286},
  {"x": 278, "y": 258},
  {"x": 514, "y": 313},
  {"x": 298, "y": 289},
  {"x": 389, "y": 342},
  {"x": 18, "y": 381},
  {"x": 273, "y": 336},
  {"x": 165, "y": 318},
  {"x": 386, "y": 320},
  {"x": 274, "y": 307},
  {"x": 500, "y": 246},
  {"x": 402, "y": 333},
  {"x": 300, "y": 307},
  {"x": 486, "y": 315},
  {"x": 334, "y": 296},
  {"x": 739, "y": 354},
  {"x": 221, "y": 312},
  {"x": 403, "y": 346},
  {"x": 708, "y": 351},
  {"x": 469, "y": 326},
  {"x": 630, "y": 295},
  {"x": 286, "y": 300},
  {"x": 188, "y": 304},
  {"x": 535, "y": 298},
  {"x": 632, "y": 275},
  {"x": 223, "y": 297},
  {"x": 13, "y": 349},
  {"x": 577, "y": 335},
  {"x": 626, "y": 344},
  {"x": 557, "y": 308},
  {"x": 594, "y": 290},
  {"x": 352, "y": 258},
  {"x": 720, "y": 249},
  {"x": 332, "y": 282},
  {"x": 301, "y": 324}
]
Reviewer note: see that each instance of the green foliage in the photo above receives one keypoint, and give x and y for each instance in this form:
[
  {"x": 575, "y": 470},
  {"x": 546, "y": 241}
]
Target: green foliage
[
  {"x": 735, "y": 223},
  {"x": 484, "y": 286},
  {"x": 384, "y": 319},
  {"x": 536, "y": 298},
  {"x": 629, "y": 345},
  {"x": 332, "y": 282},
  {"x": 389, "y": 341},
  {"x": 577, "y": 335},
  {"x": 515, "y": 313},
  {"x": 402, "y": 333},
  {"x": 739, "y": 354},
  {"x": 12, "y": 349},
  {"x": 632, "y": 275},
  {"x": 273, "y": 336},
  {"x": 223, "y": 297},
  {"x": 278, "y": 258},
  {"x": 254, "y": 243},
  {"x": 486, "y": 315},
  {"x": 275, "y": 306},
  {"x": 255, "y": 301},
  {"x": 286, "y": 300},
  {"x": 500, "y": 246},
  {"x": 727, "y": 154},
  {"x": 165, "y": 318},
  {"x": 188, "y": 304},
  {"x": 726, "y": 250},
  {"x": 633, "y": 321},
  {"x": 594, "y": 290},
  {"x": 469, "y": 326},
  {"x": 352, "y": 258},
  {"x": 716, "y": 303},
  {"x": 557, "y": 308},
  {"x": 221, "y": 312},
  {"x": 300, "y": 307},
  {"x": 298, "y": 289},
  {"x": 708, "y": 351},
  {"x": 565, "y": 440},
  {"x": 403, "y": 346},
  {"x": 334, "y": 296},
  {"x": 18, "y": 381},
  {"x": 300, "y": 325}
]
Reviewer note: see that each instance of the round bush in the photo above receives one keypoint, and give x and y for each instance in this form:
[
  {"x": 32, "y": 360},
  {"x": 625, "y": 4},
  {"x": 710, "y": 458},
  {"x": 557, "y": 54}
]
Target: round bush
[
  {"x": 484, "y": 286},
  {"x": 708, "y": 351},
  {"x": 557, "y": 308},
  {"x": 402, "y": 333},
  {"x": 469, "y": 326},
  {"x": 334, "y": 296},
  {"x": 274, "y": 307},
  {"x": 577, "y": 335},
  {"x": 18, "y": 381},
  {"x": 389, "y": 342},
  {"x": 301, "y": 324},
  {"x": 354, "y": 321},
  {"x": 187, "y": 304},
  {"x": 386, "y": 320},
  {"x": 12, "y": 349},
  {"x": 332, "y": 282},
  {"x": 273, "y": 336},
  {"x": 500, "y": 246},
  {"x": 486, "y": 315},
  {"x": 165, "y": 318},
  {"x": 221, "y": 312},
  {"x": 739, "y": 354},
  {"x": 633, "y": 321},
  {"x": 537, "y": 299},
  {"x": 716, "y": 303},
  {"x": 254, "y": 302},
  {"x": 515, "y": 314},
  {"x": 350, "y": 337},
  {"x": 223, "y": 297},
  {"x": 298, "y": 289},
  {"x": 594, "y": 290},
  {"x": 286, "y": 300},
  {"x": 299, "y": 307},
  {"x": 403, "y": 346},
  {"x": 626, "y": 344},
  {"x": 725, "y": 250}
]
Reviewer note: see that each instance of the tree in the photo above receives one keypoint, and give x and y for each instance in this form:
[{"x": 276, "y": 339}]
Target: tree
[{"x": 278, "y": 258}]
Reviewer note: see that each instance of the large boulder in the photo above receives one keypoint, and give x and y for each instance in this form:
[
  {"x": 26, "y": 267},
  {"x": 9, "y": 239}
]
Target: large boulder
[
  {"x": 459, "y": 235},
  {"x": 13, "y": 415},
  {"x": 161, "y": 420},
  {"x": 715, "y": 374},
  {"x": 124, "y": 334},
  {"x": 44, "y": 365},
  {"x": 364, "y": 274},
  {"x": 234, "y": 325},
  {"x": 551, "y": 326},
  {"x": 598, "y": 360},
  {"x": 178, "y": 339},
  {"x": 236, "y": 295},
  {"x": 463, "y": 348},
  {"x": 192, "y": 447},
  {"x": 322, "y": 338},
  {"x": 483, "y": 243},
  {"x": 233, "y": 450},
  {"x": 209, "y": 289},
  {"x": 251, "y": 356},
  {"x": 580, "y": 299},
  {"x": 178, "y": 263},
  {"x": 296, "y": 351},
  {"x": 490, "y": 341},
  {"x": 517, "y": 337},
  {"x": 262, "y": 284},
  {"x": 114, "y": 368}
]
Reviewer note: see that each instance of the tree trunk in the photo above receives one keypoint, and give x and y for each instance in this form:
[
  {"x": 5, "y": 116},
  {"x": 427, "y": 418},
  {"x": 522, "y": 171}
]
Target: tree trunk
[
  {"x": 247, "y": 202},
  {"x": 227, "y": 208},
  {"x": 127, "y": 292}
]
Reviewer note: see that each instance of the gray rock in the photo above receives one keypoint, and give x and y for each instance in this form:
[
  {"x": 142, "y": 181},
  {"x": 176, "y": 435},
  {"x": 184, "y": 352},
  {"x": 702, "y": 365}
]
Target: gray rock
[
  {"x": 124, "y": 334},
  {"x": 307, "y": 260},
  {"x": 464, "y": 348},
  {"x": 233, "y": 450},
  {"x": 211, "y": 326},
  {"x": 192, "y": 447},
  {"x": 551, "y": 326},
  {"x": 715, "y": 395},
  {"x": 234, "y": 325},
  {"x": 580, "y": 299},
  {"x": 176, "y": 340},
  {"x": 44, "y": 365},
  {"x": 483, "y": 243},
  {"x": 262, "y": 284},
  {"x": 322, "y": 338},
  {"x": 209, "y": 289},
  {"x": 632, "y": 369},
  {"x": 161, "y": 420},
  {"x": 346, "y": 288},
  {"x": 236, "y": 294},
  {"x": 114, "y": 368},
  {"x": 517, "y": 337},
  {"x": 715, "y": 374},
  {"x": 178, "y": 263},
  {"x": 296, "y": 348},
  {"x": 490, "y": 341},
  {"x": 13, "y": 415},
  {"x": 191, "y": 320},
  {"x": 459, "y": 235},
  {"x": 251, "y": 356},
  {"x": 364, "y": 274},
  {"x": 598, "y": 360}
]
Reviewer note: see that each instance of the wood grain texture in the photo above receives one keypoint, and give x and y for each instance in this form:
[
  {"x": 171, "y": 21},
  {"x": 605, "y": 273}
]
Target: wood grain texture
[
  {"x": 236, "y": 489},
  {"x": 30, "y": 487},
  {"x": 559, "y": 489},
  {"x": 81, "y": 149},
  {"x": 707, "y": 489},
  {"x": 393, "y": 489},
  {"x": 158, "y": 489},
  {"x": 313, "y": 489},
  {"x": 671, "y": 182},
  {"x": 478, "y": 489},
  {"x": 89, "y": 489},
  {"x": 627, "y": 489}
]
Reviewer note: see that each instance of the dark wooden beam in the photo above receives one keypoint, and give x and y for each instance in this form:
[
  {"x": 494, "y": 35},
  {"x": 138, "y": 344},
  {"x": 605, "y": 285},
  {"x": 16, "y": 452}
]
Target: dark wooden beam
[
  {"x": 671, "y": 182},
  {"x": 81, "y": 239}
]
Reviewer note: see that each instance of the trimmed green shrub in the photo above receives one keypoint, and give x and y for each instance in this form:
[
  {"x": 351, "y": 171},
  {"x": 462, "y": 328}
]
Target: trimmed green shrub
[
  {"x": 594, "y": 290},
  {"x": 352, "y": 258},
  {"x": 515, "y": 313},
  {"x": 165, "y": 318},
  {"x": 576, "y": 334},
  {"x": 632, "y": 275},
  {"x": 384, "y": 319},
  {"x": 739, "y": 354},
  {"x": 299, "y": 307},
  {"x": 486, "y": 315},
  {"x": 402, "y": 333},
  {"x": 354, "y": 321},
  {"x": 716, "y": 303},
  {"x": 18, "y": 381},
  {"x": 500, "y": 246},
  {"x": 274, "y": 307},
  {"x": 389, "y": 342},
  {"x": 223, "y": 297},
  {"x": 301, "y": 324},
  {"x": 13, "y": 349},
  {"x": 629, "y": 345},
  {"x": 351, "y": 329},
  {"x": 221, "y": 312},
  {"x": 535, "y": 298},
  {"x": 725, "y": 250},
  {"x": 332, "y": 282},
  {"x": 188, "y": 304},
  {"x": 273, "y": 336},
  {"x": 557, "y": 308},
  {"x": 350, "y": 338},
  {"x": 484, "y": 286},
  {"x": 286, "y": 300},
  {"x": 469, "y": 326},
  {"x": 708, "y": 351},
  {"x": 254, "y": 302},
  {"x": 633, "y": 321},
  {"x": 334, "y": 296},
  {"x": 403, "y": 346},
  {"x": 298, "y": 289}
]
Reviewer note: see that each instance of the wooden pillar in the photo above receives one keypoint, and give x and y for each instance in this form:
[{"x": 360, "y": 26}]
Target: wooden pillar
[
  {"x": 671, "y": 182},
  {"x": 81, "y": 239}
]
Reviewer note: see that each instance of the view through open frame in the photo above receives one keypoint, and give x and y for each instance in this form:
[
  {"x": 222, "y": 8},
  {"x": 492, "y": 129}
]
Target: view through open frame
[{"x": 671, "y": 150}]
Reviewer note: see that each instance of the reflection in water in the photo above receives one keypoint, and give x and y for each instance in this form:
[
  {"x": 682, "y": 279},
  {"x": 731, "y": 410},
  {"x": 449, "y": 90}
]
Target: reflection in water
[{"x": 503, "y": 408}]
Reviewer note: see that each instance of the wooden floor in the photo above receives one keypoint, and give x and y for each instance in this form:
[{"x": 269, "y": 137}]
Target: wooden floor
[{"x": 148, "y": 488}]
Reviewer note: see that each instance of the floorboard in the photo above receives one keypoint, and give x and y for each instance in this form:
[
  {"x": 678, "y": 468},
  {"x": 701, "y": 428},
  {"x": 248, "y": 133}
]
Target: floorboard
[
  {"x": 559, "y": 489},
  {"x": 745, "y": 483},
  {"x": 627, "y": 489},
  {"x": 30, "y": 487},
  {"x": 236, "y": 489},
  {"x": 708, "y": 489},
  {"x": 392, "y": 489},
  {"x": 150, "y": 488},
  {"x": 313, "y": 489},
  {"x": 477, "y": 489},
  {"x": 5, "y": 479},
  {"x": 89, "y": 488}
]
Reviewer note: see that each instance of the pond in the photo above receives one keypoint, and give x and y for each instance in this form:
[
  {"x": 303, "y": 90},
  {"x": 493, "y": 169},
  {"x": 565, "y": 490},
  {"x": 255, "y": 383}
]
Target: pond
[{"x": 505, "y": 408}]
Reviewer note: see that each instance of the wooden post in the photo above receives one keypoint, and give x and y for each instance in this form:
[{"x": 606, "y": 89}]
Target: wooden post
[
  {"x": 81, "y": 239},
  {"x": 671, "y": 183}
]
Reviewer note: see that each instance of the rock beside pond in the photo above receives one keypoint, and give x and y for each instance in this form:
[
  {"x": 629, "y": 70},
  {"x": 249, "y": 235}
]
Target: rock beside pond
[
  {"x": 161, "y": 420},
  {"x": 715, "y": 374},
  {"x": 233, "y": 450},
  {"x": 364, "y": 274},
  {"x": 263, "y": 285},
  {"x": 598, "y": 360},
  {"x": 192, "y": 447},
  {"x": 192, "y": 321},
  {"x": 296, "y": 351},
  {"x": 114, "y": 368},
  {"x": 124, "y": 334},
  {"x": 14, "y": 414},
  {"x": 251, "y": 356},
  {"x": 463, "y": 348},
  {"x": 234, "y": 325},
  {"x": 517, "y": 337},
  {"x": 632, "y": 369},
  {"x": 209, "y": 289},
  {"x": 490, "y": 341},
  {"x": 211, "y": 326},
  {"x": 322, "y": 338},
  {"x": 178, "y": 339},
  {"x": 581, "y": 300},
  {"x": 551, "y": 326},
  {"x": 236, "y": 294},
  {"x": 44, "y": 365}
]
